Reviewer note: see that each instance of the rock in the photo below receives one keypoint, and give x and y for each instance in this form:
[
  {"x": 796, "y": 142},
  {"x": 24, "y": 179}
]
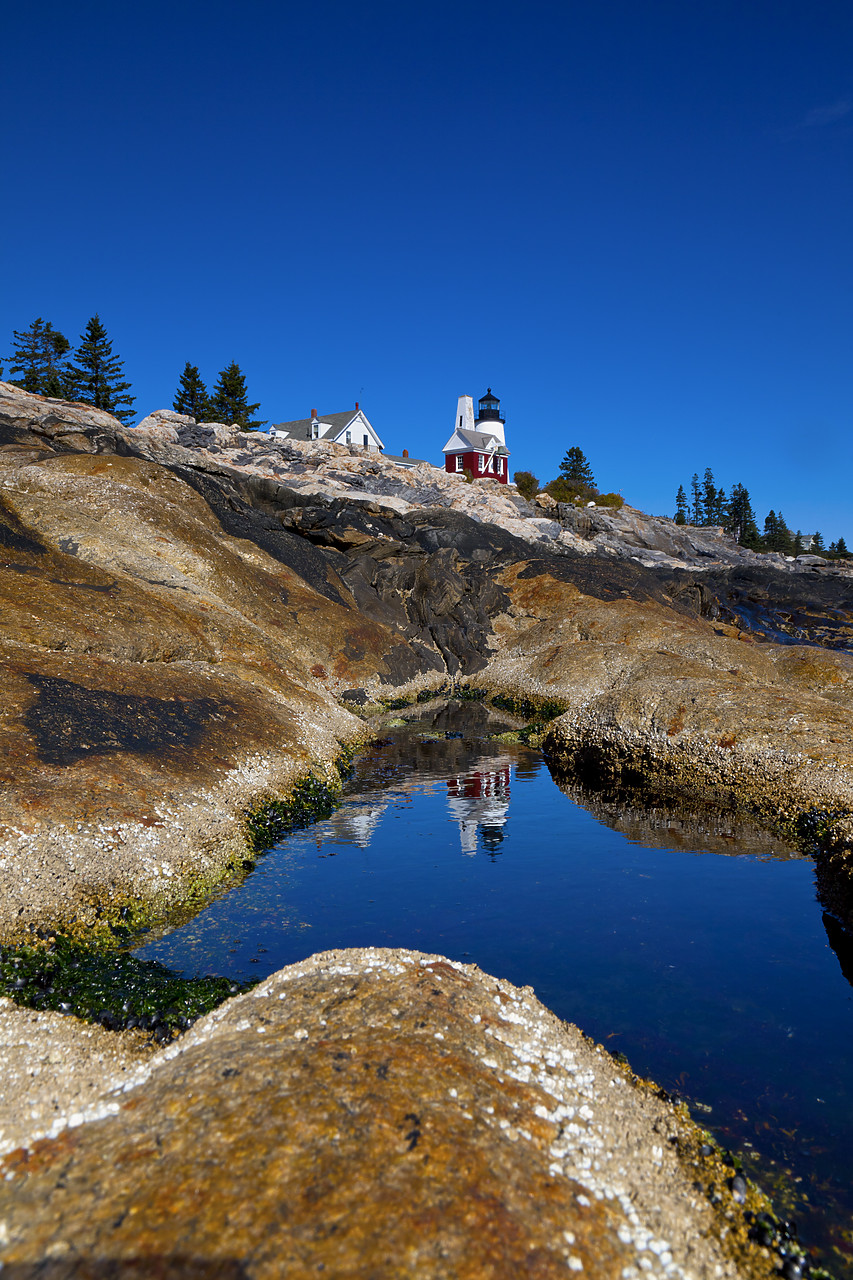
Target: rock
[
  {"x": 181, "y": 622},
  {"x": 812, "y": 561},
  {"x": 381, "y": 1113},
  {"x": 165, "y": 419}
]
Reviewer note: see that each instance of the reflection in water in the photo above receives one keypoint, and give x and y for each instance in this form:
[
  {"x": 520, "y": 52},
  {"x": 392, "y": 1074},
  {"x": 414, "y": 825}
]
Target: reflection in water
[
  {"x": 353, "y": 823},
  {"x": 479, "y": 803},
  {"x": 712, "y": 974},
  {"x": 689, "y": 825},
  {"x": 842, "y": 944}
]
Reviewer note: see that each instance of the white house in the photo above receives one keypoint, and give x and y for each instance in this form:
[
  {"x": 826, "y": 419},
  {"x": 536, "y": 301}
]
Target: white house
[{"x": 351, "y": 427}]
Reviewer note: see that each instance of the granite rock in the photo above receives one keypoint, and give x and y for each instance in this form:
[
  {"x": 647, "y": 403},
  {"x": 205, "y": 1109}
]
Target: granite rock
[{"x": 374, "y": 1113}]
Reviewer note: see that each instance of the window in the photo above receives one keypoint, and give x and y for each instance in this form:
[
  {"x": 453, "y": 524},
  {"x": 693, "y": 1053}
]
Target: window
[
  {"x": 349, "y": 437},
  {"x": 315, "y": 430},
  {"x": 460, "y": 419},
  {"x": 460, "y": 462},
  {"x": 481, "y": 462},
  {"x": 365, "y": 441}
]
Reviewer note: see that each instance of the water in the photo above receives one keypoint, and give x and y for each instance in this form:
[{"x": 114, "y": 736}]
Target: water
[{"x": 695, "y": 946}]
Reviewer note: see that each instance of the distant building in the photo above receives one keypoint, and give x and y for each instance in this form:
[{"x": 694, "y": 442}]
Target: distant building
[
  {"x": 478, "y": 446},
  {"x": 351, "y": 427}
]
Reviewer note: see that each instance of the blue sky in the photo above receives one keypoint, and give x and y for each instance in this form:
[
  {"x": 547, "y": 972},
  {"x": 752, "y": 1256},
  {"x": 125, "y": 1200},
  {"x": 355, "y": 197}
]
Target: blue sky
[{"x": 631, "y": 218}]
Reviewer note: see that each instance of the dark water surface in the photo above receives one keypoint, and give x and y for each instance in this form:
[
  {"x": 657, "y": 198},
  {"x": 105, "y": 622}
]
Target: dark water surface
[{"x": 696, "y": 947}]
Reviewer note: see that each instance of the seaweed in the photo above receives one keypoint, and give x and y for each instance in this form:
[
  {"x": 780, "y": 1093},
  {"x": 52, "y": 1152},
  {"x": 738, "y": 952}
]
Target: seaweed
[{"x": 109, "y": 986}]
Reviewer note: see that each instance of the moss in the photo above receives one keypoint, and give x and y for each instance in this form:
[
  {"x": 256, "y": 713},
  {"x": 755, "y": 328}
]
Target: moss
[{"x": 100, "y": 983}]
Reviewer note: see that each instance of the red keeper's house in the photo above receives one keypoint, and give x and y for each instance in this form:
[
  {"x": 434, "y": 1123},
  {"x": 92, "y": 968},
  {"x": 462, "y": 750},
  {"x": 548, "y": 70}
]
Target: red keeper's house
[{"x": 478, "y": 446}]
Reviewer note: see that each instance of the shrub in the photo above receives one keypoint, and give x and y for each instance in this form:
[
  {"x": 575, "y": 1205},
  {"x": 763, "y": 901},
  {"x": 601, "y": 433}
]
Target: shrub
[
  {"x": 610, "y": 500},
  {"x": 526, "y": 483},
  {"x": 562, "y": 490},
  {"x": 468, "y": 474}
]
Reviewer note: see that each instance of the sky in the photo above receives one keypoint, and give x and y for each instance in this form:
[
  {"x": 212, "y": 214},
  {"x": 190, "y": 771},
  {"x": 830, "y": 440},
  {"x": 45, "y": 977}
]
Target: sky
[{"x": 630, "y": 218}]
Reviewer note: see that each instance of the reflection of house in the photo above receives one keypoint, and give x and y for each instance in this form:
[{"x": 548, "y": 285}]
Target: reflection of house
[
  {"x": 351, "y": 427},
  {"x": 479, "y": 803},
  {"x": 355, "y": 823},
  {"x": 478, "y": 447}
]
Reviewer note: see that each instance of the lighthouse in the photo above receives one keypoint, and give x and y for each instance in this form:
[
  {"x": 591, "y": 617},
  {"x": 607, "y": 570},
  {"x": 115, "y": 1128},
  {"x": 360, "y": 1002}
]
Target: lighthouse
[
  {"x": 478, "y": 446},
  {"x": 489, "y": 417}
]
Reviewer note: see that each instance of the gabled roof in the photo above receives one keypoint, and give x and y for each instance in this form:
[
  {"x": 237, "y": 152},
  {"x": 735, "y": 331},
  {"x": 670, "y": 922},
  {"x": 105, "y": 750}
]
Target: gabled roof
[
  {"x": 462, "y": 441},
  {"x": 331, "y": 426},
  {"x": 301, "y": 428}
]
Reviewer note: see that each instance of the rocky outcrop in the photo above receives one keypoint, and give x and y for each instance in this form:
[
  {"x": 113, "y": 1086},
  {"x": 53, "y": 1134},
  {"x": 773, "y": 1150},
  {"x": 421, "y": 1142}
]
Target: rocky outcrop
[
  {"x": 379, "y": 1113},
  {"x": 185, "y": 625}
]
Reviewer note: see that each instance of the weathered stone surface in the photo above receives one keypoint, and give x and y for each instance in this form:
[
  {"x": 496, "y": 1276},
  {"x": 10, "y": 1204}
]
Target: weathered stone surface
[
  {"x": 374, "y": 1113},
  {"x": 52, "y": 1066},
  {"x": 180, "y": 629}
]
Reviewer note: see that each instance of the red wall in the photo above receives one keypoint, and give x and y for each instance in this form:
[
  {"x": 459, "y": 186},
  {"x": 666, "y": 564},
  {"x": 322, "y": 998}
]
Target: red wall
[{"x": 469, "y": 460}]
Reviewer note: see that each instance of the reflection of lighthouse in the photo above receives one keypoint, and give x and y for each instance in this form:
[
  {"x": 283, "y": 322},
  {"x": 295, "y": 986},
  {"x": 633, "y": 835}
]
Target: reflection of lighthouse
[{"x": 479, "y": 802}]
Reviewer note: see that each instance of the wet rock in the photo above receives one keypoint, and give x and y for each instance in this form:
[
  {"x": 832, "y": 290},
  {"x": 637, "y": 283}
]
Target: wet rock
[{"x": 376, "y": 1113}]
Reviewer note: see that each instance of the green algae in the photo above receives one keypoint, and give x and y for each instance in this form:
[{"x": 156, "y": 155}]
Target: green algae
[
  {"x": 107, "y": 985},
  {"x": 310, "y": 800}
]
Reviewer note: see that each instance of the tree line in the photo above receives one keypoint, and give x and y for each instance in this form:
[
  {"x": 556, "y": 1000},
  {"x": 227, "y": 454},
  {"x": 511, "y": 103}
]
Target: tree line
[
  {"x": 709, "y": 505},
  {"x": 42, "y": 361}
]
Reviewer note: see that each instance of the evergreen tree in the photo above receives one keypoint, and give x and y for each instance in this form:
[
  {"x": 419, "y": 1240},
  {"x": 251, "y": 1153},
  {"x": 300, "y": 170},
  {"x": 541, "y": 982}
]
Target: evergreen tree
[
  {"x": 98, "y": 375},
  {"x": 777, "y": 535},
  {"x": 740, "y": 520},
  {"x": 817, "y": 543},
  {"x": 696, "y": 506},
  {"x": 709, "y": 498},
  {"x": 797, "y": 549},
  {"x": 681, "y": 506},
  {"x": 786, "y": 538},
  {"x": 191, "y": 397},
  {"x": 229, "y": 402},
  {"x": 841, "y": 547},
  {"x": 38, "y": 361},
  {"x": 576, "y": 470}
]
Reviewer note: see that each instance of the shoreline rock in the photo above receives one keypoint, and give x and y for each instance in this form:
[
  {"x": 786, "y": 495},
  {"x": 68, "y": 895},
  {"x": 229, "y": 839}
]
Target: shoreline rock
[
  {"x": 486, "y": 1137},
  {"x": 188, "y": 629}
]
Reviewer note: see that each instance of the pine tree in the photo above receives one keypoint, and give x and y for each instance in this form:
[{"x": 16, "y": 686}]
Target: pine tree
[
  {"x": 786, "y": 538},
  {"x": 797, "y": 549},
  {"x": 696, "y": 505},
  {"x": 777, "y": 535},
  {"x": 576, "y": 470},
  {"x": 229, "y": 402},
  {"x": 817, "y": 543},
  {"x": 38, "y": 362},
  {"x": 709, "y": 498},
  {"x": 98, "y": 375},
  {"x": 191, "y": 397},
  {"x": 741, "y": 519},
  {"x": 841, "y": 547},
  {"x": 681, "y": 506}
]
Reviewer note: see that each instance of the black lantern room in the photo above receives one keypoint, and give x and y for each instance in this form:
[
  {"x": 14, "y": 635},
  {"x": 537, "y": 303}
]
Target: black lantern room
[{"x": 489, "y": 409}]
